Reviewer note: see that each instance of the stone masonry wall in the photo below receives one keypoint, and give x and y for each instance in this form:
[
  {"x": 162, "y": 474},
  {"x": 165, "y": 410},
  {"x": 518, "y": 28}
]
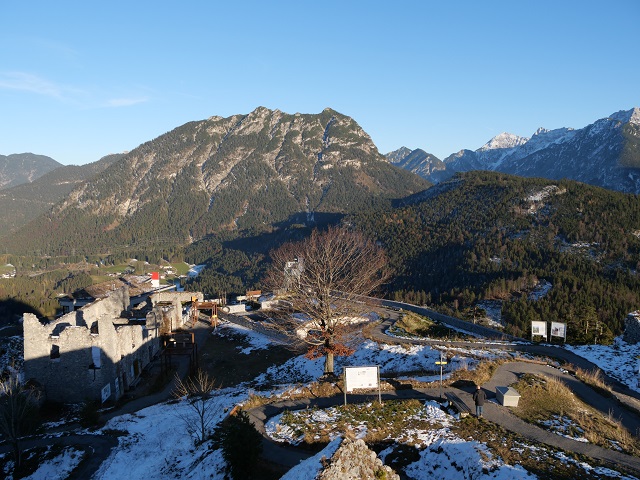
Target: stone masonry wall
[
  {"x": 79, "y": 354},
  {"x": 632, "y": 328}
]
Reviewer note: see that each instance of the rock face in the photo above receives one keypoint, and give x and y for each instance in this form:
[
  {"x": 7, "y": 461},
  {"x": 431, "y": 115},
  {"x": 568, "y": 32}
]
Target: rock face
[
  {"x": 354, "y": 461},
  {"x": 632, "y": 328}
]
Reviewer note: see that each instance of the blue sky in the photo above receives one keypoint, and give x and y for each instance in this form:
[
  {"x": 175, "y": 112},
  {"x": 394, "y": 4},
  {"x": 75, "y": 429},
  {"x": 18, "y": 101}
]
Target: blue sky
[{"x": 79, "y": 80}]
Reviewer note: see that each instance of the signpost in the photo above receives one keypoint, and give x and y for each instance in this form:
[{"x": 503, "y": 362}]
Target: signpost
[{"x": 441, "y": 363}]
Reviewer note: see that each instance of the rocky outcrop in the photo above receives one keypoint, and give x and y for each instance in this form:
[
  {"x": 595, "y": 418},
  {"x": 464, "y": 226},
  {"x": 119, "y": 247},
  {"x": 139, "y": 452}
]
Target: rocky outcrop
[
  {"x": 632, "y": 328},
  {"x": 354, "y": 461}
]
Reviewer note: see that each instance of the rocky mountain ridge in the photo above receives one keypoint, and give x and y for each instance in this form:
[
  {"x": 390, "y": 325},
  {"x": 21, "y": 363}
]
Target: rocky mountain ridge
[
  {"x": 605, "y": 153},
  {"x": 226, "y": 174}
]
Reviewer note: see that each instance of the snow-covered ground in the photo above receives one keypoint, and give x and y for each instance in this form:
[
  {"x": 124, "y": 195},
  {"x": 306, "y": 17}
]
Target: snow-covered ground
[
  {"x": 620, "y": 360},
  {"x": 155, "y": 440},
  {"x": 56, "y": 468}
]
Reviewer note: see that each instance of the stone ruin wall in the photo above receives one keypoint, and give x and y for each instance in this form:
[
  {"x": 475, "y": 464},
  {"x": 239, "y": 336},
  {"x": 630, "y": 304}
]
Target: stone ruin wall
[
  {"x": 632, "y": 327},
  {"x": 70, "y": 375}
]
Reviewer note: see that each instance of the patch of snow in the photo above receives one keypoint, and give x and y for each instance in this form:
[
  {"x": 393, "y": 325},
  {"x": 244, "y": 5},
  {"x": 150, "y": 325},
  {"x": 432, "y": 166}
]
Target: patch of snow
[
  {"x": 619, "y": 360},
  {"x": 256, "y": 340},
  {"x": 311, "y": 467},
  {"x": 59, "y": 467},
  {"x": 540, "y": 291},
  {"x": 151, "y": 443},
  {"x": 194, "y": 270}
]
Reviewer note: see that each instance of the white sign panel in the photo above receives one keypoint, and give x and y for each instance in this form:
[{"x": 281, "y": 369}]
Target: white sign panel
[
  {"x": 360, "y": 377},
  {"x": 539, "y": 328},
  {"x": 106, "y": 392},
  {"x": 558, "y": 329}
]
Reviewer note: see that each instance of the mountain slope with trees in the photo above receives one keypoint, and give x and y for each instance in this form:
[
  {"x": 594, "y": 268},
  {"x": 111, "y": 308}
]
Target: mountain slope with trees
[
  {"x": 23, "y": 203},
  {"x": 486, "y": 235},
  {"x": 20, "y": 168},
  {"x": 241, "y": 173}
]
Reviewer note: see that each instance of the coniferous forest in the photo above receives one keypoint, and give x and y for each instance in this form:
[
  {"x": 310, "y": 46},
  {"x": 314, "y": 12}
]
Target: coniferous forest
[{"x": 479, "y": 236}]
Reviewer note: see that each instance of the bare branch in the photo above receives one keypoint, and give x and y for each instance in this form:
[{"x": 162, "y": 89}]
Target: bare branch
[
  {"x": 198, "y": 393},
  {"x": 325, "y": 275}
]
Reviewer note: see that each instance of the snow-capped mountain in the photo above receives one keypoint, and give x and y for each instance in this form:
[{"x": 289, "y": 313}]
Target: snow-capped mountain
[{"x": 605, "y": 153}]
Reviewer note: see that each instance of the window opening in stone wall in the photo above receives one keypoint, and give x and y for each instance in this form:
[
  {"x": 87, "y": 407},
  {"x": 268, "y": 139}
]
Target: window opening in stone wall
[{"x": 55, "y": 352}]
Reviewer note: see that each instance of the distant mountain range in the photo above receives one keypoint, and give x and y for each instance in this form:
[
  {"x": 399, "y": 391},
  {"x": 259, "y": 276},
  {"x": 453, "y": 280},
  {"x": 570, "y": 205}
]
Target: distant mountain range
[
  {"x": 266, "y": 169},
  {"x": 241, "y": 173},
  {"x": 22, "y": 203},
  {"x": 605, "y": 153},
  {"x": 20, "y": 168}
]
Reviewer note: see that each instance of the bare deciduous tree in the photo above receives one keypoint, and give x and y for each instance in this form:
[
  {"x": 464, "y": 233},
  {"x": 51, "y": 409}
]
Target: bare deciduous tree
[
  {"x": 321, "y": 279},
  {"x": 18, "y": 413},
  {"x": 198, "y": 392}
]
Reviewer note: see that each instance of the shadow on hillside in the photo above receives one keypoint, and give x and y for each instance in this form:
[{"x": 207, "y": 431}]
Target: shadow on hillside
[
  {"x": 295, "y": 228},
  {"x": 11, "y": 312}
]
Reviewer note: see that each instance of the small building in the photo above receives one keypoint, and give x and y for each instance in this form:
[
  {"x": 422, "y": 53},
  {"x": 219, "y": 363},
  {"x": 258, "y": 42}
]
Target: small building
[{"x": 507, "y": 396}]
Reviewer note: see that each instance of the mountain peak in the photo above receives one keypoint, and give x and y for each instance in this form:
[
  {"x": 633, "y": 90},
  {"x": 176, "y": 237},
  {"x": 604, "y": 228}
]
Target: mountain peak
[
  {"x": 627, "y": 116},
  {"x": 504, "y": 140}
]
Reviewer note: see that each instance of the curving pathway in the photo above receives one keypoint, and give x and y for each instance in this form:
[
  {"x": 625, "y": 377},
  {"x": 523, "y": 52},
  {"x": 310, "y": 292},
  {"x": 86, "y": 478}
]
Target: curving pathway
[{"x": 507, "y": 374}]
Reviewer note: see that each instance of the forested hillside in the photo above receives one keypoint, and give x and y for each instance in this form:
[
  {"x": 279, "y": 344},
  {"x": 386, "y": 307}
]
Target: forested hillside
[
  {"x": 241, "y": 174},
  {"x": 487, "y": 235},
  {"x": 21, "y": 204}
]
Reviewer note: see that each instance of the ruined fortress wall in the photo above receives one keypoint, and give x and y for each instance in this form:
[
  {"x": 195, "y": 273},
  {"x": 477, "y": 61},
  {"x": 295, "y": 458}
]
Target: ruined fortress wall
[
  {"x": 64, "y": 364},
  {"x": 174, "y": 315},
  {"x": 76, "y": 356}
]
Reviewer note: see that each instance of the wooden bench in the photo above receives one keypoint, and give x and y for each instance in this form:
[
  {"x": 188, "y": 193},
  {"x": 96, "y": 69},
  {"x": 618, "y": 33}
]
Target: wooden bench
[{"x": 458, "y": 404}]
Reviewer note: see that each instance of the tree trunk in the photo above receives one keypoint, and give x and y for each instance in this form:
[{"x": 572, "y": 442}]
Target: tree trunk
[{"x": 328, "y": 363}]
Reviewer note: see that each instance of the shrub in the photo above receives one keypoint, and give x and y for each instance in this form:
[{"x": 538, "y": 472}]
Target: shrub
[
  {"x": 90, "y": 414},
  {"x": 241, "y": 445}
]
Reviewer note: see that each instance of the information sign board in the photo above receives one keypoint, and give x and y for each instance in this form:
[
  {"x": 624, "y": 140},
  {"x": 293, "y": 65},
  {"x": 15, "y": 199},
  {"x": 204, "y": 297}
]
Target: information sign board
[{"x": 360, "y": 377}]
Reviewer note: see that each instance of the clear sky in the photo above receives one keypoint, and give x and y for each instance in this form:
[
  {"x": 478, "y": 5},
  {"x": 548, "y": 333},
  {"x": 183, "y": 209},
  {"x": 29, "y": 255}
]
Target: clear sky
[{"x": 82, "y": 79}]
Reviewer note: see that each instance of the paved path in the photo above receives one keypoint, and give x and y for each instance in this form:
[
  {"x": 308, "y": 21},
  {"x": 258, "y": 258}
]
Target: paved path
[
  {"x": 508, "y": 373},
  {"x": 623, "y": 394},
  {"x": 504, "y": 375}
]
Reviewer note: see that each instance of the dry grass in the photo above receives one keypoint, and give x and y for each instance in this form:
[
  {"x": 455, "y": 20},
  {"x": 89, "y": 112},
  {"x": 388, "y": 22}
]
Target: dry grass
[
  {"x": 593, "y": 378},
  {"x": 481, "y": 374},
  {"x": 414, "y": 325},
  {"x": 382, "y": 420},
  {"x": 544, "y": 399}
]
